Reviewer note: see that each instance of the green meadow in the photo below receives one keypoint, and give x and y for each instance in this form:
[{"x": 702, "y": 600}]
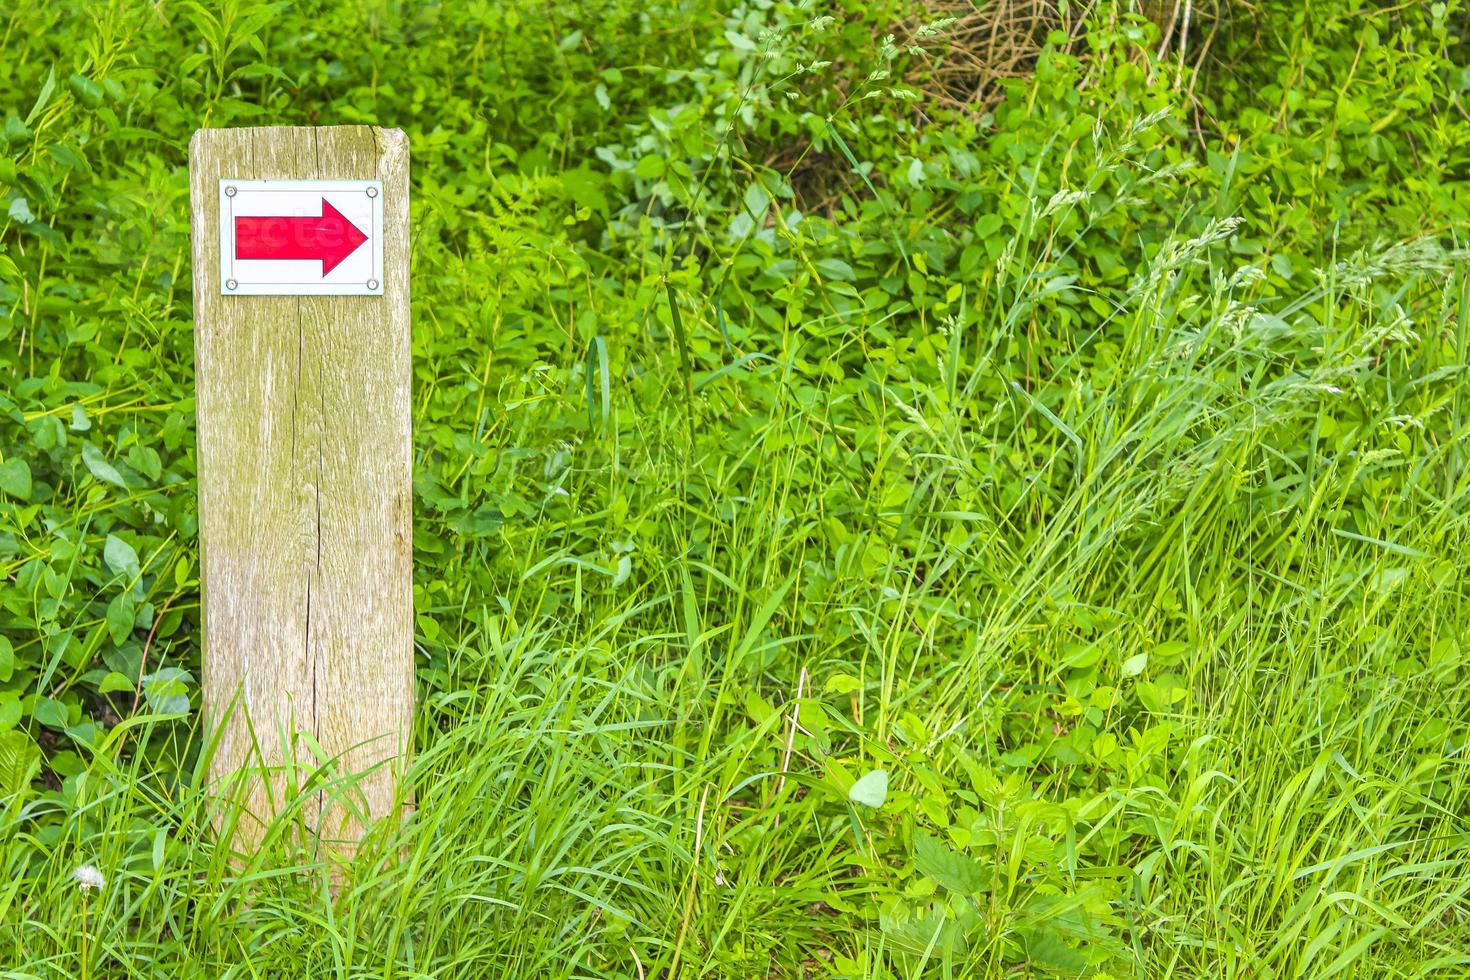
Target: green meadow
[{"x": 902, "y": 489}]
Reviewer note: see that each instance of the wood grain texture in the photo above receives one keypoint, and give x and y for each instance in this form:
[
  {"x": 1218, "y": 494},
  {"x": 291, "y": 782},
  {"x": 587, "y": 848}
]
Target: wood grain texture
[{"x": 305, "y": 504}]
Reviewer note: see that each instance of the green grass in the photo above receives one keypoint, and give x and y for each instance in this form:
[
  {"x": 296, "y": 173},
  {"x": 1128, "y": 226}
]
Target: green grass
[
  {"x": 1276, "y": 786},
  {"x": 1115, "y": 510}
]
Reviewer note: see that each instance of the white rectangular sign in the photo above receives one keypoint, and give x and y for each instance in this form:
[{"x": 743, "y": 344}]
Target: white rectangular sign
[{"x": 301, "y": 237}]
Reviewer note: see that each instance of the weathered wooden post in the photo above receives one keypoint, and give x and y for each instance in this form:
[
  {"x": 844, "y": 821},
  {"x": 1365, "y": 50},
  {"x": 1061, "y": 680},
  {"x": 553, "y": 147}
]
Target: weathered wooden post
[{"x": 301, "y": 334}]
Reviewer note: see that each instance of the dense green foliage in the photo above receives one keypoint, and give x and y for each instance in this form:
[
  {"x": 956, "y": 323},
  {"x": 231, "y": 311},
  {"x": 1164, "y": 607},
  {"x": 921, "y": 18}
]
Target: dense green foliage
[{"x": 854, "y": 538}]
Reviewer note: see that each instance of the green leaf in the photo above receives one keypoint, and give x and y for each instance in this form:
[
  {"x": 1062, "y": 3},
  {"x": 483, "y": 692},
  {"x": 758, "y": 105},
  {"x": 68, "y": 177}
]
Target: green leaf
[
  {"x": 68, "y": 156},
  {"x": 47, "y": 433},
  {"x": 7, "y": 659},
  {"x": 114, "y": 682},
  {"x": 20, "y": 210},
  {"x": 955, "y": 871},
  {"x": 923, "y": 930},
  {"x": 10, "y": 710},
  {"x": 126, "y": 660},
  {"x": 121, "y": 558},
  {"x": 100, "y": 467},
  {"x": 1047, "y": 948},
  {"x": 50, "y": 712},
  {"x": 871, "y": 790},
  {"x": 598, "y": 346},
  {"x": 650, "y": 167},
  {"x": 167, "y": 691},
  {"x": 835, "y": 269},
  {"x": 20, "y": 760},
  {"x": 15, "y": 130},
  {"x": 121, "y": 614},
  {"x": 88, "y": 92},
  {"x": 47, "y": 88},
  {"x": 684, "y": 362},
  {"x": 1082, "y": 655},
  {"x": 759, "y": 708},
  {"x": 757, "y": 201},
  {"x": 15, "y": 478}
]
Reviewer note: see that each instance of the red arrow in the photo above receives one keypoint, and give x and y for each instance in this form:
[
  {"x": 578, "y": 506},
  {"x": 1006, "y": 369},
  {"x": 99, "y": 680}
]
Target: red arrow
[{"x": 330, "y": 238}]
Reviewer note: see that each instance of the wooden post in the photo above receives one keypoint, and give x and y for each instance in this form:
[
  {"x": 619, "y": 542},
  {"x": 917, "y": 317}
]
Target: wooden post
[{"x": 305, "y": 499}]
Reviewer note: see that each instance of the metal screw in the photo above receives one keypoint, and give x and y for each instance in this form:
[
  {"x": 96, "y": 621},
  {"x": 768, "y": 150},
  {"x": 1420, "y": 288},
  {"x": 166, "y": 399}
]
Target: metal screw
[
  {"x": 372, "y": 284},
  {"x": 230, "y": 284},
  {"x": 372, "y": 192},
  {"x": 229, "y": 192}
]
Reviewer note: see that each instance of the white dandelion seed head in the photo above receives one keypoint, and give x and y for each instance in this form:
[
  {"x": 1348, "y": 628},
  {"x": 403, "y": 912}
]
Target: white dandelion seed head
[{"x": 89, "y": 878}]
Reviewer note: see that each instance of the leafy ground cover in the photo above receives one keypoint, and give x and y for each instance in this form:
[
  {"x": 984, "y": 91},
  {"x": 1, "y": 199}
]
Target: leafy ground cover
[{"x": 875, "y": 518}]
